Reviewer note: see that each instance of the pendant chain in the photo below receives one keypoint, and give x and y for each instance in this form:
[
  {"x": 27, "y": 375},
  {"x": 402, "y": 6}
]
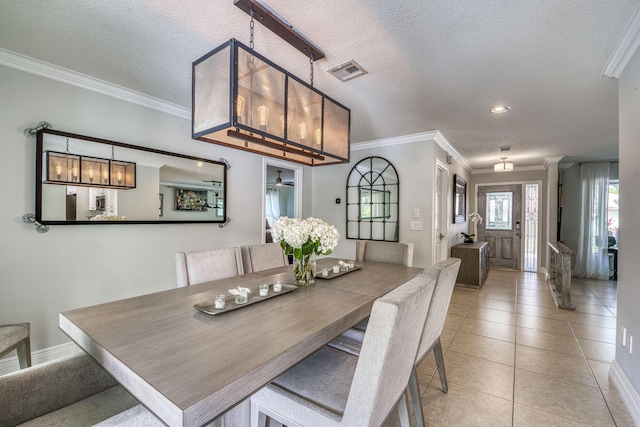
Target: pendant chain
[{"x": 251, "y": 24}]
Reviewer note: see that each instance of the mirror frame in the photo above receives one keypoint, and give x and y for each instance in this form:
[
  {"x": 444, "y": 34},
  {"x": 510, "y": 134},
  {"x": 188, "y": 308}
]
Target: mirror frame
[
  {"x": 39, "y": 180},
  {"x": 459, "y": 199}
]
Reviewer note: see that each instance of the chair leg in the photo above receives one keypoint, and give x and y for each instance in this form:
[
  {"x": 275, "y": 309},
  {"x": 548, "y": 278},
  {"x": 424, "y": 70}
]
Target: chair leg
[
  {"x": 403, "y": 411},
  {"x": 437, "y": 351},
  {"x": 258, "y": 419},
  {"x": 24, "y": 353},
  {"x": 414, "y": 389}
]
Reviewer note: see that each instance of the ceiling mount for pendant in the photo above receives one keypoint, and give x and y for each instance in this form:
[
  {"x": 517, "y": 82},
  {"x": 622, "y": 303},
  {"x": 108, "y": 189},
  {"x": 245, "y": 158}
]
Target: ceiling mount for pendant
[{"x": 278, "y": 25}]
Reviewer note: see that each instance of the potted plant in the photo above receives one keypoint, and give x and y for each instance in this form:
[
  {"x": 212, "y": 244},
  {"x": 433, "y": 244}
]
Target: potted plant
[{"x": 468, "y": 238}]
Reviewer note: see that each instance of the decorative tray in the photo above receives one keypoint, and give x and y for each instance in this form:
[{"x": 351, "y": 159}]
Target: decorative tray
[
  {"x": 333, "y": 275},
  {"x": 254, "y": 297}
]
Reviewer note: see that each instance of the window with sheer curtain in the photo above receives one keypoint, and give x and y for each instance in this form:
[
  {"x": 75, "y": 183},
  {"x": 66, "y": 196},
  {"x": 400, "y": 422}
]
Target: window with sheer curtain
[
  {"x": 272, "y": 205},
  {"x": 592, "y": 259}
]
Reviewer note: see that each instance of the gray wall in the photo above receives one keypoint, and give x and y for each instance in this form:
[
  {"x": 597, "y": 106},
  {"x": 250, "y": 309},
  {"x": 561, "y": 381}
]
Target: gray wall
[
  {"x": 628, "y": 288},
  {"x": 415, "y": 163},
  {"x": 80, "y": 265}
]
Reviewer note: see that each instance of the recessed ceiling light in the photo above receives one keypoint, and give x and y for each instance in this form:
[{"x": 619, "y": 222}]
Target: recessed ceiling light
[{"x": 500, "y": 109}]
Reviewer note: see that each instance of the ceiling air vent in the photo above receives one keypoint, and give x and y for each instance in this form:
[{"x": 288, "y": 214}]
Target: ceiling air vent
[{"x": 347, "y": 70}]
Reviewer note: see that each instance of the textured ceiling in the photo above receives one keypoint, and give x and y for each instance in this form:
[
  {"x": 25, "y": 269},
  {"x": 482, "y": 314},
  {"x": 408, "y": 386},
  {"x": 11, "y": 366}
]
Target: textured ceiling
[{"x": 438, "y": 64}]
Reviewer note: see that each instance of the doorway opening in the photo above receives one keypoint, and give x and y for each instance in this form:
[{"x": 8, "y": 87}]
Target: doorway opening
[
  {"x": 440, "y": 213},
  {"x": 282, "y": 193}
]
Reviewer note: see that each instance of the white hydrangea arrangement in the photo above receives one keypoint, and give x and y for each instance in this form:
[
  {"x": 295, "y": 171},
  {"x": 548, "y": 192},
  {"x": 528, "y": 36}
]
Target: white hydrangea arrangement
[{"x": 302, "y": 237}]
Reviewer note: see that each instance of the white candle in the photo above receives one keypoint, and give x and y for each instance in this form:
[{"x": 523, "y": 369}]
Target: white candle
[
  {"x": 336, "y": 269},
  {"x": 277, "y": 287},
  {"x": 264, "y": 290}
]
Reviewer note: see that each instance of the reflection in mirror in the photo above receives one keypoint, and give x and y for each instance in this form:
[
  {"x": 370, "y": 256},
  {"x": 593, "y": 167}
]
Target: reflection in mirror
[
  {"x": 459, "y": 199},
  {"x": 86, "y": 180},
  {"x": 372, "y": 200}
]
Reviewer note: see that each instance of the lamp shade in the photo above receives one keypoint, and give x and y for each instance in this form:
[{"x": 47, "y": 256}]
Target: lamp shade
[
  {"x": 503, "y": 167},
  {"x": 242, "y": 100}
]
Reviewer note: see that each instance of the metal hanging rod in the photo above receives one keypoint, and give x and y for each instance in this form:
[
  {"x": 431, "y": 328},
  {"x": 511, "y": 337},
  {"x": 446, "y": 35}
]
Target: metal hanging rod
[
  {"x": 32, "y": 132},
  {"x": 30, "y": 218},
  {"x": 270, "y": 19}
]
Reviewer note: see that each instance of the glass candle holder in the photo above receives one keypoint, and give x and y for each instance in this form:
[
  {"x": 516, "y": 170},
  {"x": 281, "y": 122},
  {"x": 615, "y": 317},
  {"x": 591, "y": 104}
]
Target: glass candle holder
[
  {"x": 336, "y": 269},
  {"x": 277, "y": 287},
  {"x": 241, "y": 299},
  {"x": 220, "y": 302},
  {"x": 263, "y": 290},
  {"x": 325, "y": 272}
]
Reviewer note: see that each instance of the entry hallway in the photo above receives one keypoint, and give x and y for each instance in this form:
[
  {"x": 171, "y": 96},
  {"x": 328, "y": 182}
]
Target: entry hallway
[{"x": 514, "y": 359}]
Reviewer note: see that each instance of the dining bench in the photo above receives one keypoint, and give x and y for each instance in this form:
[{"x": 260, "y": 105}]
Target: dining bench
[{"x": 71, "y": 391}]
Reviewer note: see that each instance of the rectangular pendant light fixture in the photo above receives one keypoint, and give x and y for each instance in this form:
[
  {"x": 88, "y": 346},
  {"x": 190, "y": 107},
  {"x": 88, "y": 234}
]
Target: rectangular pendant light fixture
[
  {"x": 85, "y": 171},
  {"x": 240, "y": 99}
]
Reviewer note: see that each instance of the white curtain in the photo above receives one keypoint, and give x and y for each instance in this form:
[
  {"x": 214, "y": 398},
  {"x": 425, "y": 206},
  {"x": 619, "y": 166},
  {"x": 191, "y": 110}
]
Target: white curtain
[
  {"x": 592, "y": 259},
  {"x": 272, "y": 205}
]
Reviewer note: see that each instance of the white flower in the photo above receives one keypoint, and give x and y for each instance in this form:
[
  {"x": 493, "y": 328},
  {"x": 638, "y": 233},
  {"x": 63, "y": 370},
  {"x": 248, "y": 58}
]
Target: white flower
[
  {"x": 475, "y": 217},
  {"x": 314, "y": 234}
]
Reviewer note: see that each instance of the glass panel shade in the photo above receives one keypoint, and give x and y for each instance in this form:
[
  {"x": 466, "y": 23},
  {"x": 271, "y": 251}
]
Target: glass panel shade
[
  {"x": 123, "y": 174},
  {"x": 95, "y": 171},
  {"x": 62, "y": 167}
]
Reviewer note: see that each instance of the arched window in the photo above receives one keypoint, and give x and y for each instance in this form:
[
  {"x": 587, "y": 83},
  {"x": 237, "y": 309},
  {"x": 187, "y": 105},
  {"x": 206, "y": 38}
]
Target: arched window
[{"x": 372, "y": 200}]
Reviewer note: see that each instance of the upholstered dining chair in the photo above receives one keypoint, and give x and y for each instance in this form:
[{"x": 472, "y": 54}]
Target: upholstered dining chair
[
  {"x": 17, "y": 336},
  {"x": 387, "y": 252},
  {"x": 203, "y": 266},
  {"x": 445, "y": 273},
  {"x": 334, "y": 388},
  {"x": 263, "y": 257}
]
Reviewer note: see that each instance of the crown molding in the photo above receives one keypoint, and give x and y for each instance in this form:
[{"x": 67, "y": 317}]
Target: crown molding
[
  {"x": 53, "y": 72},
  {"x": 548, "y": 160},
  {"x": 433, "y": 136},
  {"x": 626, "y": 48}
]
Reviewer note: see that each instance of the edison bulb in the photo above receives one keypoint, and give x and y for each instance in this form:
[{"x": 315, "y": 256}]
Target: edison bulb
[
  {"x": 59, "y": 171},
  {"x": 105, "y": 177},
  {"x": 119, "y": 175},
  {"x": 91, "y": 174},
  {"x": 263, "y": 116},
  {"x": 240, "y": 107},
  {"x": 302, "y": 131},
  {"x": 318, "y": 136}
]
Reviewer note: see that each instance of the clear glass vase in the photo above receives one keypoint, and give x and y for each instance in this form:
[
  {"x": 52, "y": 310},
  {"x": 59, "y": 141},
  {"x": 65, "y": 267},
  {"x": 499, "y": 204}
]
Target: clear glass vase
[{"x": 304, "y": 270}]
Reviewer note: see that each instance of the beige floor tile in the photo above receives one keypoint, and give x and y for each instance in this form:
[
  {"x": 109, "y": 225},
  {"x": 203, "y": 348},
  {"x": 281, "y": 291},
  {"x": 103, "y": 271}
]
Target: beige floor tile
[
  {"x": 453, "y": 321},
  {"x": 484, "y": 348},
  {"x": 546, "y": 302},
  {"x": 609, "y": 302},
  {"x": 489, "y": 329},
  {"x": 499, "y": 316},
  {"x": 525, "y": 416},
  {"x": 534, "y": 310},
  {"x": 601, "y": 372},
  {"x": 502, "y": 288},
  {"x": 460, "y": 290},
  {"x": 463, "y": 299},
  {"x": 617, "y": 407},
  {"x": 534, "y": 292},
  {"x": 462, "y": 406},
  {"x": 558, "y": 365},
  {"x": 495, "y": 304},
  {"x": 598, "y": 309},
  {"x": 563, "y": 398},
  {"x": 590, "y": 319},
  {"x": 458, "y": 309},
  {"x": 596, "y": 350},
  {"x": 594, "y": 333},
  {"x": 585, "y": 299},
  {"x": 497, "y": 295},
  {"x": 446, "y": 337},
  {"x": 560, "y": 327},
  {"x": 479, "y": 374},
  {"x": 547, "y": 341}
]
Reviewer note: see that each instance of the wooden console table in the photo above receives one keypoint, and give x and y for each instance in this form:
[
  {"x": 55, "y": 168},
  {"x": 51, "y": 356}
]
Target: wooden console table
[
  {"x": 560, "y": 275},
  {"x": 475, "y": 262}
]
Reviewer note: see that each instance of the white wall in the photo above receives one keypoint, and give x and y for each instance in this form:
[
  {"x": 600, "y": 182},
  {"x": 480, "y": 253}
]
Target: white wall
[
  {"x": 74, "y": 266},
  {"x": 629, "y": 231}
]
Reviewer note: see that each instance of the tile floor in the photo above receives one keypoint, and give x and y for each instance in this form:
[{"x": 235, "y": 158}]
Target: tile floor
[{"x": 513, "y": 359}]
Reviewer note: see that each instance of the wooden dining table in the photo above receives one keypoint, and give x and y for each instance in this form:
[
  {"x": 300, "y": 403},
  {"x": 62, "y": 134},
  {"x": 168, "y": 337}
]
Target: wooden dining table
[{"x": 189, "y": 367}]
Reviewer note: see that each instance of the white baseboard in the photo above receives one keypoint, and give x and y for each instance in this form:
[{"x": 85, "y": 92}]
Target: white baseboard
[
  {"x": 544, "y": 272},
  {"x": 10, "y": 364},
  {"x": 627, "y": 392}
]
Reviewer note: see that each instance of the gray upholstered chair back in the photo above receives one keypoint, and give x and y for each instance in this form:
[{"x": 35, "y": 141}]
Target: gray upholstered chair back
[
  {"x": 263, "y": 257},
  {"x": 387, "y": 252},
  {"x": 388, "y": 352},
  {"x": 445, "y": 273},
  {"x": 203, "y": 266}
]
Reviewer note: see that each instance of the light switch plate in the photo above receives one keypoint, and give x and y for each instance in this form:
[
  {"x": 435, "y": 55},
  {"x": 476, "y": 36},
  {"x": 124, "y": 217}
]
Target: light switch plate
[
  {"x": 416, "y": 213},
  {"x": 415, "y": 225}
]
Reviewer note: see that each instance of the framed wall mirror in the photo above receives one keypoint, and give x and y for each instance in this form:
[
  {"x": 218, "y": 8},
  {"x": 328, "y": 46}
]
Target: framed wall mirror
[
  {"x": 459, "y": 200},
  {"x": 87, "y": 180},
  {"x": 372, "y": 200}
]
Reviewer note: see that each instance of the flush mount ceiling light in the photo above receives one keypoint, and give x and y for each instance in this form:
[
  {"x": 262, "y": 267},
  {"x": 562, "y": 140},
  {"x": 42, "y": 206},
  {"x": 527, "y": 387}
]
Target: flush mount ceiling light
[
  {"x": 504, "y": 166},
  {"x": 500, "y": 109},
  {"x": 243, "y": 100}
]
